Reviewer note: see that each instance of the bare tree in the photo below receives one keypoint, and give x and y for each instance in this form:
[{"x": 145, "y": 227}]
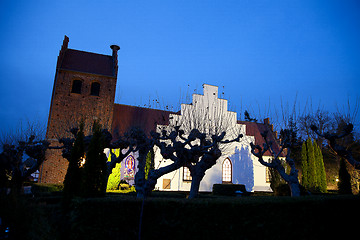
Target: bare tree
[
  {"x": 210, "y": 154},
  {"x": 22, "y": 132},
  {"x": 292, "y": 178},
  {"x": 143, "y": 144},
  {"x": 14, "y": 164},
  {"x": 176, "y": 147},
  {"x": 320, "y": 118},
  {"x": 123, "y": 145},
  {"x": 340, "y": 150},
  {"x": 198, "y": 137},
  {"x": 194, "y": 151}
]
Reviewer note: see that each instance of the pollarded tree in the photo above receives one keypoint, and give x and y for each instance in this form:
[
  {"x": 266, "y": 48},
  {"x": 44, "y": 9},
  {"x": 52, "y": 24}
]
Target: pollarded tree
[
  {"x": 12, "y": 162},
  {"x": 276, "y": 163},
  {"x": 198, "y": 137},
  {"x": 193, "y": 151},
  {"x": 123, "y": 144},
  {"x": 340, "y": 150},
  {"x": 143, "y": 145},
  {"x": 211, "y": 153},
  {"x": 177, "y": 148}
]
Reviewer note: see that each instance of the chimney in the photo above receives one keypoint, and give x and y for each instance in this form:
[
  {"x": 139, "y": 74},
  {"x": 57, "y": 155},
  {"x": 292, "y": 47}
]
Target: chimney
[
  {"x": 267, "y": 121},
  {"x": 115, "y": 49}
]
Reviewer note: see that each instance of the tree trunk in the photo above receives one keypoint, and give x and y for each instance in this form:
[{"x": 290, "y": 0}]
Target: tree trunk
[
  {"x": 140, "y": 175},
  {"x": 197, "y": 174},
  {"x": 154, "y": 175},
  {"x": 195, "y": 185},
  {"x": 294, "y": 189}
]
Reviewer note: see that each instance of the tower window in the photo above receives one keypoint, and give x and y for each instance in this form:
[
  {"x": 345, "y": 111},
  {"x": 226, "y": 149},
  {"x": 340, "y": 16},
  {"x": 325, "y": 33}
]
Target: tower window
[
  {"x": 76, "y": 86},
  {"x": 95, "y": 89},
  {"x": 227, "y": 171}
]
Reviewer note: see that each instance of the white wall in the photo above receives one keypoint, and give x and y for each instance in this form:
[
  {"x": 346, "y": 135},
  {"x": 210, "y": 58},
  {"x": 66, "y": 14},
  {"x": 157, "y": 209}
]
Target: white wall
[{"x": 206, "y": 113}]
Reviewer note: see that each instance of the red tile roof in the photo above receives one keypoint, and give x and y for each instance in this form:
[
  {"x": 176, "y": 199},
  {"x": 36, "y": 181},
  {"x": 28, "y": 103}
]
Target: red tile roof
[
  {"x": 87, "y": 62},
  {"x": 125, "y": 117},
  {"x": 255, "y": 129}
]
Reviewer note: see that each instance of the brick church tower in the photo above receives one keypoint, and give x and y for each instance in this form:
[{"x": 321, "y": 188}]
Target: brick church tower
[{"x": 84, "y": 89}]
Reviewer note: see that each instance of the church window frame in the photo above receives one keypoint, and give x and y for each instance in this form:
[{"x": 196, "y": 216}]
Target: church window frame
[
  {"x": 76, "y": 86},
  {"x": 95, "y": 89},
  {"x": 268, "y": 175},
  {"x": 186, "y": 174},
  {"x": 227, "y": 171}
]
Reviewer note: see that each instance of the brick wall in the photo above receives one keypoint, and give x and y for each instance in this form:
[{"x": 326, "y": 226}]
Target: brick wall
[{"x": 68, "y": 109}]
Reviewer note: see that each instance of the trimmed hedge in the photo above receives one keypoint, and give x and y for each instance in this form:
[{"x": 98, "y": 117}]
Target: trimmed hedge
[
  {"x": 46, "y": 187},
  {"x": 117, "y": 217},
  {"x": 227, "y": 218},
  {"x": 229, "y": 189}
]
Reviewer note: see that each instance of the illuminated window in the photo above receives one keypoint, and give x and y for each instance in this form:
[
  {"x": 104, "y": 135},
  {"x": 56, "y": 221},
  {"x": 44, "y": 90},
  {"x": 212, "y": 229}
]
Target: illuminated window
[
  {"x": 268, "y": 175},
  {"x": 76, "y": 86},
  {"x": 187, "y": 174},
  {"x": 227, "y": 171},
  {"x": 95, "y": 89}
]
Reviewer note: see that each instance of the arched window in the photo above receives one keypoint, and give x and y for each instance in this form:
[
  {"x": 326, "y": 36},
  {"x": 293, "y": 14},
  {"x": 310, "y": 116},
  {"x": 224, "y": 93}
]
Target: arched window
[
  {"x": 227, "y": 171},
  {"x": 76, "y": 86},
  {"x": 95, "y": 89}
]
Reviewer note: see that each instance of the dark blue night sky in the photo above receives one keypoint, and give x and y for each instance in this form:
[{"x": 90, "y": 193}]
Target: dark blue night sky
[{"x": 259, "y": 52}]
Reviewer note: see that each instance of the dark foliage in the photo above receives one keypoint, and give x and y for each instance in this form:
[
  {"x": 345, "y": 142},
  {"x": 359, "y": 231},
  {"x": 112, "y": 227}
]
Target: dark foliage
[
  {"x": 73, "y": 178},
  {"x": 344, "y": 183},
  {"x": 95, "y": 169}
]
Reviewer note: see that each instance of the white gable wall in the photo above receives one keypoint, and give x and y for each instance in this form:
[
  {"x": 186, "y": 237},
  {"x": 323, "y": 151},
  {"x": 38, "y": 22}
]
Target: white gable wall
[{"x": 209, "y": 113}]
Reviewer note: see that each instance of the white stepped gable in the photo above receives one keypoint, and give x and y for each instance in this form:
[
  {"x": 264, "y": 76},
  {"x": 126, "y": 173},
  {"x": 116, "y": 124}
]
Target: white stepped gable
[{"x": 210, "y": 115}]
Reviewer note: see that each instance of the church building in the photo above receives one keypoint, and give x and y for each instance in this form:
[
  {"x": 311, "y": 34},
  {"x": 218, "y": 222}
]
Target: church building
[{"x": 84, "y": 89}]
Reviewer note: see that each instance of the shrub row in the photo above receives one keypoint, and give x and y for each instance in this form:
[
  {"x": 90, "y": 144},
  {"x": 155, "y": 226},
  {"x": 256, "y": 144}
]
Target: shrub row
[
  {"x": 46, "y": 187},
  {"x": 229, "y": 189},
  {"x": 245, "y": 218},
  {"x": 118, "y": 217}
]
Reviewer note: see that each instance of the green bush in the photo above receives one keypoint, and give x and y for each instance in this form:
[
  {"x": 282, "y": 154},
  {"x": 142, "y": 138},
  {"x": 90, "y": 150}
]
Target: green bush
[
  {"x": 95, "y": 178},
  {"x": 313, "y": 170},
  {"x": 47, "y": 187}
]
